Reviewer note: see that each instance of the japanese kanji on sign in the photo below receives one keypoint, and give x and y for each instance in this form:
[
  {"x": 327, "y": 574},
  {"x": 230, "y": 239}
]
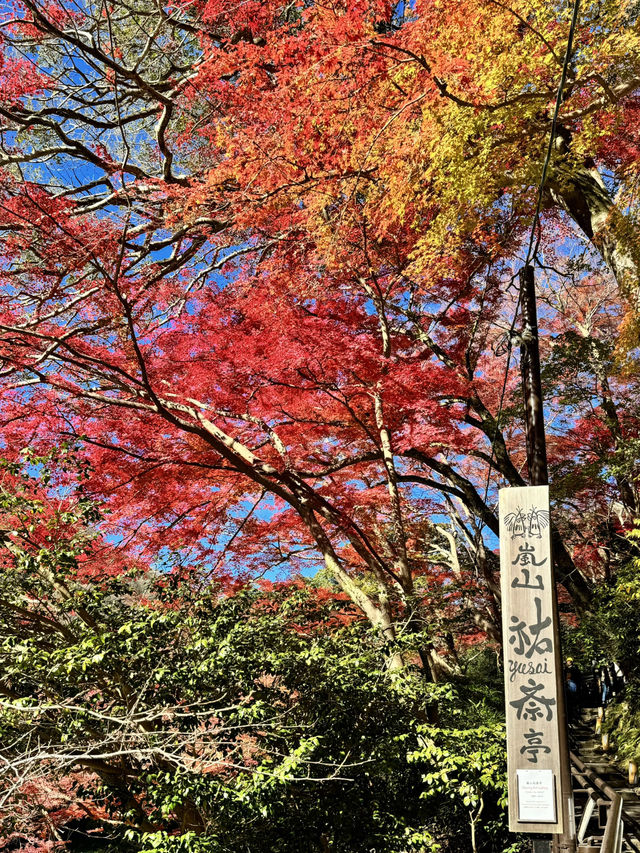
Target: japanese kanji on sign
[{"x": 531, "y": 699}]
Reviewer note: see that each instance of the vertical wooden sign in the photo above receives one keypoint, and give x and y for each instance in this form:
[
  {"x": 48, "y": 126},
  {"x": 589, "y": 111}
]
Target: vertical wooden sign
[{"x": 529, "y": 644}]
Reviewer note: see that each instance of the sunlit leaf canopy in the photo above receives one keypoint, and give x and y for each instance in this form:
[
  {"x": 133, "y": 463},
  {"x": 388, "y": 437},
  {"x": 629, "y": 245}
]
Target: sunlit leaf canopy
[{"x": 260, "y": 259}]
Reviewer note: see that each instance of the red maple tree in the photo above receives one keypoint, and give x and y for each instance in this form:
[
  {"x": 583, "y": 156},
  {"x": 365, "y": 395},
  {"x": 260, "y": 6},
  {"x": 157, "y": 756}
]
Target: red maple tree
[{"x": 259, "y": 260}]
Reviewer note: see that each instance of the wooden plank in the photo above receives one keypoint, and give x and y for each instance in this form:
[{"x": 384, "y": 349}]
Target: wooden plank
[{"x": 531, "y": 699}]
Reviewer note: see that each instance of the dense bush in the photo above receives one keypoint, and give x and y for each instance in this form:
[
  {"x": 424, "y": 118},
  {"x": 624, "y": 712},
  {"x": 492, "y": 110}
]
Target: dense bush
[
  {"x": 150, "y": 712},
  {"x": 266, "y": 721}
]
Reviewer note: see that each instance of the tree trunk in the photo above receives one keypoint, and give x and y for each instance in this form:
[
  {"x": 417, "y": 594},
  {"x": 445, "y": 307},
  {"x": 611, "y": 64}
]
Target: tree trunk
[
  {"x": 568, "y": 575},
  {"x": 578, "y": 188}
]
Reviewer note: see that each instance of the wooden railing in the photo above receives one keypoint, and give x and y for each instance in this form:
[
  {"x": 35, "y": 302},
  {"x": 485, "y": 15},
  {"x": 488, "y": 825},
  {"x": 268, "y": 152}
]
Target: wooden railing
[{"x": 611, "y": 815}]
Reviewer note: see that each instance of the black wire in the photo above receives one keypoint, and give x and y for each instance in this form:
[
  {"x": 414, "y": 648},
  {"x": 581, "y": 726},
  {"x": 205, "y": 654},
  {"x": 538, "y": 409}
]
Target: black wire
[
  {"x": 552, "y": 136},
  {"x": 535, "y": 227}
]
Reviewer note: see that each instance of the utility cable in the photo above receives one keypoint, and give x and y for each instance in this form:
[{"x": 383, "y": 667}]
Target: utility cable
[
  {"x": 552, "y": 136},
  {"x": 535, "y": 227}
]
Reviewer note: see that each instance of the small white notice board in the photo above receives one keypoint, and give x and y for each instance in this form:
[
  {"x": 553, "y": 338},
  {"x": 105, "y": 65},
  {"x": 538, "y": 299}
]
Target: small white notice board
[{"x": 536, "y": 796}]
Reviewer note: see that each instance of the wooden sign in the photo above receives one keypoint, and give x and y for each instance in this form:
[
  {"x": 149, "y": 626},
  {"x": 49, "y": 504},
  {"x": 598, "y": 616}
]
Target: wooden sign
[{"x": 531, "y": 699}]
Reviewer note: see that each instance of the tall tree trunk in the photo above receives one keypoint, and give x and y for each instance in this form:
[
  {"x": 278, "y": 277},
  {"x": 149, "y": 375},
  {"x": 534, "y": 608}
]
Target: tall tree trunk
[{"x": 577, "y": 187}]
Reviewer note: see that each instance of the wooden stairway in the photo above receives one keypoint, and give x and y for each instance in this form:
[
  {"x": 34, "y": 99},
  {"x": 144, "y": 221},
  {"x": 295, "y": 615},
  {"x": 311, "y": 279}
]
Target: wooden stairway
[{"x": 598, "y": 778}]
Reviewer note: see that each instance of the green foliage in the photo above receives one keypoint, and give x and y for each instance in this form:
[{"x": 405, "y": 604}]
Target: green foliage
[
  {"x": 263, "y": 728},
  {"x": 622, "y": 721},
  {"x": 610, "y": 631},
  {"x": 180, "y": 719}
]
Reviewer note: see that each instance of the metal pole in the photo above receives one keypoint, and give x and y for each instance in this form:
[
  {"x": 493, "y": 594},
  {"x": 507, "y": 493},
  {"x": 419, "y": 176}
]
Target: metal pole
[{"x": 539, "y": 476}]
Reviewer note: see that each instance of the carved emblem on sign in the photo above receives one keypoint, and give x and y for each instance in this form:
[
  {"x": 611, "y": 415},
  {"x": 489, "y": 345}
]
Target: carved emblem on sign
[{"x": 529, "y": 523}]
